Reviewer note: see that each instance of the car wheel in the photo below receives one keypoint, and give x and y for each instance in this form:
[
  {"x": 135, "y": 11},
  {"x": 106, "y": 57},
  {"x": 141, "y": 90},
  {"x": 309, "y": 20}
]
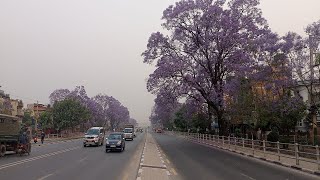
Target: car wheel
[
  {"x": 84, "y": 145},
  {"x": 107, "y": 150}
]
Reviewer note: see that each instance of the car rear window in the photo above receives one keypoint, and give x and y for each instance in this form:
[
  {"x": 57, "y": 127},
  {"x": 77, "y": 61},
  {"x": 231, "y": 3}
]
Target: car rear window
[{"x": 114, "y": 136}]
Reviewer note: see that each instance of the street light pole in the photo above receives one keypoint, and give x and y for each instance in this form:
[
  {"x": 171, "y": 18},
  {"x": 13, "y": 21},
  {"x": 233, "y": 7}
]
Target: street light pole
[
  {"x": 37, "y": 116},
  {"x": 312, "y": 101}
]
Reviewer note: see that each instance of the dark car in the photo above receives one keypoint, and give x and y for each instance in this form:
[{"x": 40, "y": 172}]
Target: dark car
[{"x": 115, "y": 141}]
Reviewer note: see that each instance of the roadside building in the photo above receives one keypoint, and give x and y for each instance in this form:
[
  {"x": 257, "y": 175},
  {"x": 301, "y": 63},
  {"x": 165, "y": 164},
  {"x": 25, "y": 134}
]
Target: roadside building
[
  {"x": 36, "y": 109},
  {"x": 9, "y": 106},
  {"x": 304, "y": 89},
  {"x": 17, "y": 106}
]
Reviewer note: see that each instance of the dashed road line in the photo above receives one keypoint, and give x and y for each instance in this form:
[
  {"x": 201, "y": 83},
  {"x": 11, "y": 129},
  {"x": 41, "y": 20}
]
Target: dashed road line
[
  {"x": 247, "y": 176},
  {"x": 44, "y": 177},
  {"x": 83, "y": 159},
  {"x": 4, "y": 166}
]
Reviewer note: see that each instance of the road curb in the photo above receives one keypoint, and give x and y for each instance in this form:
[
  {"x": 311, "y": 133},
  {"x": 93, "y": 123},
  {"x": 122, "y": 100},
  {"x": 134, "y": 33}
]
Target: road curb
[
  {"x": 139, "y": 168},
  {"x": 256, "y": 157}
]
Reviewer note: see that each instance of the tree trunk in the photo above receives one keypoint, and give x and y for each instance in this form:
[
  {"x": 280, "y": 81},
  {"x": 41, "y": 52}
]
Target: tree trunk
[
  {"x": 222, "y": 124},
  {"x": 209, "y": 117}
]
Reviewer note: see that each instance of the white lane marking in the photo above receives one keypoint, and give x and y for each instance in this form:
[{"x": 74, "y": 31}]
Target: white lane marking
[
  {"x": 44, "y": 177},
  {"x": 36, "y": 158},
  {"x": 83, "y": 159},
  {"x": 247, "y": 176}
]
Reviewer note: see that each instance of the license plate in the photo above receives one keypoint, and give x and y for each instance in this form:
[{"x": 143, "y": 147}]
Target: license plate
[{"x": 113, "y": 146}]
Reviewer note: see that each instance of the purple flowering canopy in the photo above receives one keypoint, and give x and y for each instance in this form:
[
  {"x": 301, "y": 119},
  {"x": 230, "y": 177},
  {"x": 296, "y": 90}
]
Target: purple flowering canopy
[
  {"x": 103, "y": 108},
  {"x": 113, "y": 110},
  {"x": 207, "y": 43},
  {"x": 58, "y": 95},
  {"x": 165, "y": 106},
  {"x": 298, "y": 49}
]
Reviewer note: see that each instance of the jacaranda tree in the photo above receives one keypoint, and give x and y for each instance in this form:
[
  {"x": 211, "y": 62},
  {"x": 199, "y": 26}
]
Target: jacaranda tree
[
  {"x": 207, "y": 42},
  {"x": 102, "y": 108}
]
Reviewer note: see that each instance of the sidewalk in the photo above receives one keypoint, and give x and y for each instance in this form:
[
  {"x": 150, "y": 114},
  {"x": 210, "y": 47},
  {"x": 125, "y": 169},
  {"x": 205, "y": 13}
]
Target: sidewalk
[{"x": 152, "y": 165}]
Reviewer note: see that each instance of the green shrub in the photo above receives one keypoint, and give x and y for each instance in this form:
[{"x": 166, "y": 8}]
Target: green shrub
[
  {"x": 237, "y": 132},
  {"x": 273, "y": 136}
]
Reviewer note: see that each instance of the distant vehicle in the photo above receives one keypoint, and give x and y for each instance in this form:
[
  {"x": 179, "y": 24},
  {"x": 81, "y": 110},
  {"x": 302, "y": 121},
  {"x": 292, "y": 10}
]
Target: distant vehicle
[
  {"x": 94, "y": 136},
  {"x": 139, "y": 130},
  {"x": 129, "y": 132},
  {"x": 13, "y": 136},
  {"x": 115, "y": 141},
  {"x": 158, "y": 130}
]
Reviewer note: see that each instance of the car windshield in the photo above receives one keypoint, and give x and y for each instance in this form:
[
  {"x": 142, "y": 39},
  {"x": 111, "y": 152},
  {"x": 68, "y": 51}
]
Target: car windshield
[
  {"x": 114, "y": 137},
  {"x": 129, "y": 130},
  {"x": 93, "y": 132}
]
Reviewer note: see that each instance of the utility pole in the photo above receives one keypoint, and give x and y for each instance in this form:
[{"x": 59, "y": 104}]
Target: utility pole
[
  {"x": 313, "y": 107},
  {"x": 37, "y": 116}
]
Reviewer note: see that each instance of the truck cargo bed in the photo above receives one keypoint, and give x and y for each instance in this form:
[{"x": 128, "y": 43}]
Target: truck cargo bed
[{"x": 9, "y": 138}]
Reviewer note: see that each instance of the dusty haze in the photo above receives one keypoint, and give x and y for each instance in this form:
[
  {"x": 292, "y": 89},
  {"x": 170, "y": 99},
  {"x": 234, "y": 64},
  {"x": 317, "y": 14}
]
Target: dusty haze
[{"x": 50, "y": 44}]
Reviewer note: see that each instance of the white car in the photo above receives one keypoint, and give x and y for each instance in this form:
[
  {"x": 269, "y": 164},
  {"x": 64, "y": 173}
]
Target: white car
[{"x": 94, "y": 136}]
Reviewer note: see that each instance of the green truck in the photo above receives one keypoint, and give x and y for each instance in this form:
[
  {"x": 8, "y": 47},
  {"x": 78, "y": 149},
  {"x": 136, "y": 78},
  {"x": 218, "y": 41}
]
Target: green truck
[{"x": 10, "y": 132}]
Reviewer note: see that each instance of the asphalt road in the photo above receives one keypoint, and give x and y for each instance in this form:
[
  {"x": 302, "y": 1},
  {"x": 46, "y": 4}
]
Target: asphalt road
[
  {"x": 194, "y": 161},
  {"x": 70, "y": 160}
]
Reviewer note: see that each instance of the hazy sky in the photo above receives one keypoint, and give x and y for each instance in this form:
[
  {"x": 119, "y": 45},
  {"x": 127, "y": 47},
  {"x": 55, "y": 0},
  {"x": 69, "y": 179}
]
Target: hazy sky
[{"x": 51, "y": 44}]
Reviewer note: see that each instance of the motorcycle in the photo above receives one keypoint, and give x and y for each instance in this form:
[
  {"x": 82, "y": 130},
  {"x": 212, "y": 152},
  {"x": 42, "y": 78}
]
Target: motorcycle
[{"x": 23, "y": 149}]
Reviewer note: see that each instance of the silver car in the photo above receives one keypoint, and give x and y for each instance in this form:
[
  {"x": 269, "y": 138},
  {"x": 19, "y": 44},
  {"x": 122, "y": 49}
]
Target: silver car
[{"x": 94, "y": 136}]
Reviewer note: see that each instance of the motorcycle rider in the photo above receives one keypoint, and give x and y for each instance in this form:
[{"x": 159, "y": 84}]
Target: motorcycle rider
[
  {"x": 42, "y": 136},
  {"x": 23, "y": 140},
  {"x": 35, "y": 138}
]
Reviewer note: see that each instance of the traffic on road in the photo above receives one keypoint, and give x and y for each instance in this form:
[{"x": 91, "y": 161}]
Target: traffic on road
[
  {"x": 159, "y": 90},
  {"x": 68, "y": 159},
  {"x": 121, "y": 159}
]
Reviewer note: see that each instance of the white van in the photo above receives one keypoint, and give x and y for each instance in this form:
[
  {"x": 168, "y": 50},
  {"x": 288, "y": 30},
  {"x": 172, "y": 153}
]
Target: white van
[{"x": 94, "y": 136}]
